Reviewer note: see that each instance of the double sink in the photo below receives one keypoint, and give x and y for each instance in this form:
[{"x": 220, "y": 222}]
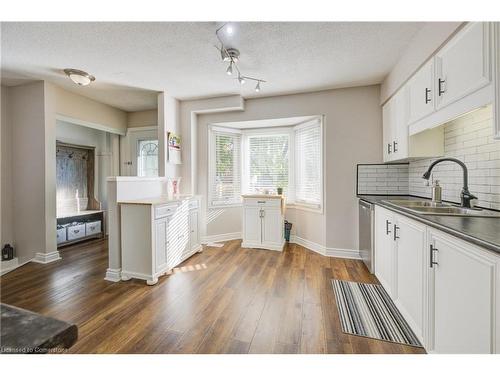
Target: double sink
[{"x": 443, "y": 209}]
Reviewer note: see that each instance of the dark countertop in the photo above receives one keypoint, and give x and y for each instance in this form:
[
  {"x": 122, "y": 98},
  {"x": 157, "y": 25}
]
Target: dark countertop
[
  {"x": 481, "y": 231},
  {"x": 23, "y": 331}
]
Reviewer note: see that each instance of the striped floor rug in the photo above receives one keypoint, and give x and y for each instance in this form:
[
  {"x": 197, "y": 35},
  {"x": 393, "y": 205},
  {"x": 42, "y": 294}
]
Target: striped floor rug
[{"x": 367, "y": 310}]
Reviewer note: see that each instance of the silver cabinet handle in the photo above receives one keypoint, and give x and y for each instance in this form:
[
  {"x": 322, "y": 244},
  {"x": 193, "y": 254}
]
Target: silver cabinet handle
[
  {"x": 261, "y": 201},
  {"x": 396, "y": 228},
  {"x": 427, "y": 98},
  {"x": 389, "y": 148},
  {"x": 441, "y": 91},
  {"x": 395, "y": 147},
  {"x": 387, "y": 224},
  {"x": 431, "y": 257}
]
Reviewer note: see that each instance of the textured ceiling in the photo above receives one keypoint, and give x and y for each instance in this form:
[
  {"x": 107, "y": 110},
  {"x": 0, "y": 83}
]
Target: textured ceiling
[{"x": 133, "y": 61}]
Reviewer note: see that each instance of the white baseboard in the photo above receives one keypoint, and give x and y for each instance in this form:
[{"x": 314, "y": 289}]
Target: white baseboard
[
  {"x": 325, "y": 251},
  {"x": 113, "y": 274},
  {"x": 12, "y": 265},
  {"x": 316, "y": 247},
  {"x": 313, "y": 246},
  {"x": 45, "y": 258},
  {"x": 221, "y": 237},
  {"x": 342, "y": 253}
]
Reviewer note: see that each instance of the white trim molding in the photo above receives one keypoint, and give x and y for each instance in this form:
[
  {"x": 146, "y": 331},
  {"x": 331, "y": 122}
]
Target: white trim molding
[
  {"x": 325, "y": 251},
  {"x": 333, "y": 252},
  {"x": 221, "y": 237},
  {"x": 45, "y": 258},
  {"x": 12, "y": 265},
  {"x": 113, "y": 274}
]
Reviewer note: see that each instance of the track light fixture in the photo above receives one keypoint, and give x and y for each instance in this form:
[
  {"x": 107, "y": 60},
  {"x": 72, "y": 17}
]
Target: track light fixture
[{"x": 232, "y": 56}]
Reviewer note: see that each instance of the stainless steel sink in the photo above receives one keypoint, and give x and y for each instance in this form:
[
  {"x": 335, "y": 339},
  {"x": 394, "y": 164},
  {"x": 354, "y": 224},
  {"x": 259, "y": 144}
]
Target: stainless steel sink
[{"x": 442, "y": 209}]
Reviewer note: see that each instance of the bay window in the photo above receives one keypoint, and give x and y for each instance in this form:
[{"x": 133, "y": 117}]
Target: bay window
[{"x": 259, "y": 161}]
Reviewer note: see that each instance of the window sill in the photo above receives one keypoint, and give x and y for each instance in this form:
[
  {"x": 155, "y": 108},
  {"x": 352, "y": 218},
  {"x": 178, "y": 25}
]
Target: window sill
[
  {"x": 221, "y": 206},
  {"x": 304, "y": 207}
]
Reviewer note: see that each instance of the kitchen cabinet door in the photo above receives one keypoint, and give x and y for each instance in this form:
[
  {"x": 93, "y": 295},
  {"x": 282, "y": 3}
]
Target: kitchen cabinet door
[
  {"x": 463, "y": 64},
  {"x": 420, "y": 93},
  {"x": 462, "y": 295},
  {"x": 161, "y": 229},
  {"x": 410, "y": 266},
  {"x": 388, "y": 128},
  {"x": 272, "y": 226},
  {"x": 253, "y": 224},
  {"x": 400, "y": 148},
  {"x": 384, "y": 249},
  {"x": 194, "y": 240}
]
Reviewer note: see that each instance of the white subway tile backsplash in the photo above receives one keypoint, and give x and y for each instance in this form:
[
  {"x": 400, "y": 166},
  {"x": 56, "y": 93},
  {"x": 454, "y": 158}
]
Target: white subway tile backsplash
[
  {"x": 470, "y": 139},
  {"x": 383, "y": 179}
]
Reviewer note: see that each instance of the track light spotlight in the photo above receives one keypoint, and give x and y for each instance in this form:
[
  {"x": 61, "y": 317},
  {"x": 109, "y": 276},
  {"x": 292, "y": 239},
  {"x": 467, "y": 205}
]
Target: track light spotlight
[
  {"x": 241, "y": 79},
  {"x": 229, "y": 69},
  {"x": 257, "y": 87}
]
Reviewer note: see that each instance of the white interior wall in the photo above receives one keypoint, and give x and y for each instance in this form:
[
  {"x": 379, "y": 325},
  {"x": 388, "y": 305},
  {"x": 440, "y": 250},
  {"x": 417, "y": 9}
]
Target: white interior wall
[
  {"x": 23, "y": 173},
  {"x": 353, "y": 134},
  {"x": 7, "y": 235}
]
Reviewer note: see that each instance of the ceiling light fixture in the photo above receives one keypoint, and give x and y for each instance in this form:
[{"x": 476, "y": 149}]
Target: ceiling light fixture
[
  {"x": 79, "y": 77},
  {"x": 232, "y": 56}
]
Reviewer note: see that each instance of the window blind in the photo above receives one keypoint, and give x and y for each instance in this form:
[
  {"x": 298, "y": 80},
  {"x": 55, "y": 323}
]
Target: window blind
[
  {"x": 267, "y": 163},
  {"x": 308, "y": 164},
  {"x": 226, "y": 168}
]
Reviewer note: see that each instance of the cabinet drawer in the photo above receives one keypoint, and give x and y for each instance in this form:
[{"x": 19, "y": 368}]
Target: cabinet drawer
[
  {"x": 163, "y": 211},
  {"x": 61, "y": 235},
  {"x": 193, "y": 204},
  {"x": 262, "y": 202},
  {"x": 93, "y": 227},
  {"x": 76, "y": 231}
]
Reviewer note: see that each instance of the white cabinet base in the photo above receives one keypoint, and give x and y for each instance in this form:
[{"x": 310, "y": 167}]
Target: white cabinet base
[{"x": 258, "y": 245}]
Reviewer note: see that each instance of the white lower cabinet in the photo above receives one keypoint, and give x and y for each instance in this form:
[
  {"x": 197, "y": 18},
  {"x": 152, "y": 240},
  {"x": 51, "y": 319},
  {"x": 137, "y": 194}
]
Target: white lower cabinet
[
  {"x": 463, "y": 282},
  {"x": 384, "y": 249},
  {"x": 158, "y": 237},
  {"x": 447, "y": 289},
  {"x": 263, "y": 223},
  {"x": 410, "y": 258}
]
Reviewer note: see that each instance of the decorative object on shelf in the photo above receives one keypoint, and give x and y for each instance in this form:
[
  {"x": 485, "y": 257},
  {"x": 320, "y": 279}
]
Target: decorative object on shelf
[
  {"x": 79, "y": 77},
  {"x": 279, "y": 190},
  {"x": 7, "y": 252},
  {"x": 173, "y": 188},
  {"x": 174, "y": 148},
  {"x": 232, "y": 55}
]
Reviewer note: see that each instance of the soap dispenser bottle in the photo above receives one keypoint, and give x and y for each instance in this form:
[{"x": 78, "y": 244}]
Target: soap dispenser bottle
[{"x": 436, "y": 192}]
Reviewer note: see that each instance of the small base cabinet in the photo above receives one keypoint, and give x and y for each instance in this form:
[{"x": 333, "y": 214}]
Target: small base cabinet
[
  {"x": 158, "y": 237},
  {"x": 447, "y": 289},
  {"x": 263, "y": 223}
]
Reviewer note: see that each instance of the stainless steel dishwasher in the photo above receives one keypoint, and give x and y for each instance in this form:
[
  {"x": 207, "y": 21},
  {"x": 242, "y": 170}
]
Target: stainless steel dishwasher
[{"x": 366, "y": 243}]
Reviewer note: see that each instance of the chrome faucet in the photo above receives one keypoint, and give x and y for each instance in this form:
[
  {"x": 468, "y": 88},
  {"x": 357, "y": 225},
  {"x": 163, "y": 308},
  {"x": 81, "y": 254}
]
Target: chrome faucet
[{"x": 465, "y": 195}]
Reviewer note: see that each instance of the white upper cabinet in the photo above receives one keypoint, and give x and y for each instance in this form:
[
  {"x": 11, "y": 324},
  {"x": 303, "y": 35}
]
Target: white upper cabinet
[
  {"x": 420, "y": 93},
  {"x": 463, "y": 64},
  {"x": 395, "y": 128}
]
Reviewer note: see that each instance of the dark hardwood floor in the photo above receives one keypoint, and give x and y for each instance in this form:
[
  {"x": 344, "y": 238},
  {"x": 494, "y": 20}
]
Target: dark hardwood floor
[{"x": 224, "y": 300}]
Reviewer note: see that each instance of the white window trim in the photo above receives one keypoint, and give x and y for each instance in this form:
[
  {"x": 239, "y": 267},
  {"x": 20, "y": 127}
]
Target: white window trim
[
  {"x": 290, "y": 130},
  {"x": 211, "y": 160}
]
